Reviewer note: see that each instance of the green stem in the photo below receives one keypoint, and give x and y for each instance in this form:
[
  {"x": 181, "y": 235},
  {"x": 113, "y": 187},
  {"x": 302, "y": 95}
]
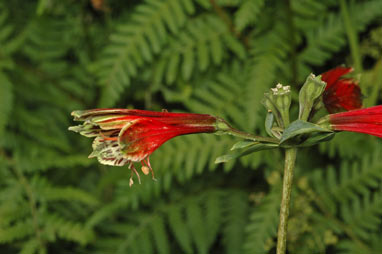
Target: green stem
[
  {"x": 245, "y": 135},
  {"x": 290, "y": 159},
  {"x": 352, "y": 36}
]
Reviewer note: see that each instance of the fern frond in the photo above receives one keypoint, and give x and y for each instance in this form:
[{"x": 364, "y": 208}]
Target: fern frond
[
  {"x": 204, "y": 41},
  {"x": 160, "y": 236},
  {"x": 199, "y": 154},
  {"x": 11, "y": 211},
  {"x": 343, "y": 144},
  {"x": 18, "y": 231},
  {"x": 307, "y": 13},
  {"x": 213, "y": 214},
  {"x": 219, "y": 97},
  {"x": 267, "y": 54},
  {"x": 366, "y": 13},
  {"x": 176, "y": 219},
  {"x": 323, "y": 42},
  {"x": 247, "y": 13},
  {"x": 48, "y": 192},
  {"x": 136, "y": 42},
  {"x": 222, "y": 3},
  {"x": 56, "y": 225},
  {"x": 30, "y": 247},
  {"x": 6, "y": 98},
  {"x": 49, "y": 39},
  {"x": 363, "y": 215},
  {"x": 330, "y": 37},
  {"x": 351, "y": 247},
  {"x": 352, "y": 180},
  {"x": 235, "y": 221},
  {"x": 9, "y": 40},
  {"x": 262, "y": 226},
  {"x": 195, "y": 222},
  {"x": 149, "y": 233}
]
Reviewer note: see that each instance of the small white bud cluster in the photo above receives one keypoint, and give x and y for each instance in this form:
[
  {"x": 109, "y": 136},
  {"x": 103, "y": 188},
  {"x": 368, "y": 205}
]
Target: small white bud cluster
[{"x": 280, "y": 89}]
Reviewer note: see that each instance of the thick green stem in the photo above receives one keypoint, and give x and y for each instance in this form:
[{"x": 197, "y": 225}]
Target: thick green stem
[
  {"x": 290, "y": 158},
  {"x": 352, "y": 36}
]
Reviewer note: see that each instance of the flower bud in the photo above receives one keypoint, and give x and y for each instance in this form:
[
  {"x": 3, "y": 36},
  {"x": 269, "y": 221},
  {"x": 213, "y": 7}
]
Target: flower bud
[
  {"x": 278, "y": 101},
  {"x": 310, "y": 91}
]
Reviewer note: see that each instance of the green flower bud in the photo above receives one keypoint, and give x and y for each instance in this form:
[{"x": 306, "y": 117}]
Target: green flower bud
[
  {"x": 278, "y": 101},
  {"x": 310, "y": 91}
]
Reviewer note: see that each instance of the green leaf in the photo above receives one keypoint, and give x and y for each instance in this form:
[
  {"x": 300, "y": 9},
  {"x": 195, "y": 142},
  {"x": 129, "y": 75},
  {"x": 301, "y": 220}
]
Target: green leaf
[
  {"x": 316, "y": 138},
  {"x": 253, "y": 148},
  {"x": 298, "y": 128},
  {"x": 243, "y": 144}
]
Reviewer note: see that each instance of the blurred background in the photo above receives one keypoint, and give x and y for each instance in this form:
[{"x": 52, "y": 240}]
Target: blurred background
[{"x": 203, "y": 56}]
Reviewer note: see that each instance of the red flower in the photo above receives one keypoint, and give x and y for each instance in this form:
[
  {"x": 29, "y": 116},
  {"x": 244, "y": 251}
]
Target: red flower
[
  {"x": 124, "y": 136},
  {"x": 341, "y": 93},
  {"x": 367, "y": 120}
]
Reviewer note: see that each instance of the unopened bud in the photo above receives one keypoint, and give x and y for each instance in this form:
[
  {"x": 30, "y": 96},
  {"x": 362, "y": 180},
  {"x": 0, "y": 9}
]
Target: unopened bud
[
  {"x": 310, "y": 91},
  {"x": 278, "y": 101}
]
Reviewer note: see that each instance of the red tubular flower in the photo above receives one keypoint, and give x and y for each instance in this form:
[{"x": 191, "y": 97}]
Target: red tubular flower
[
  {"x": 367, "y": 120},
  {"x": 124, "y": 136},
  {"x": 340, "y": 93}
]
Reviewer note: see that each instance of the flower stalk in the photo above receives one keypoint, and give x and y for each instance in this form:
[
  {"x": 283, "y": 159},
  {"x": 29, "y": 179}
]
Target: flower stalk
[{"x": 290, "y": 159}]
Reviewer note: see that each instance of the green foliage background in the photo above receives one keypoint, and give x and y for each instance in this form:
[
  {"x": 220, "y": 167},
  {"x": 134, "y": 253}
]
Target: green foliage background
[{"x": 216, "y": 57}]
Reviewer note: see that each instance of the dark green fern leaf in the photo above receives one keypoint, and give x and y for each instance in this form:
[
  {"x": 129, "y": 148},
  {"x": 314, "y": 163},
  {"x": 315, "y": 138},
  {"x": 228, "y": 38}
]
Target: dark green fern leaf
[
  {"x": 136, "y": 42},
  {"x": 247, "y": 13},
  {"x": 235, "y": 221},
  {"x": 263, "y": 221}
]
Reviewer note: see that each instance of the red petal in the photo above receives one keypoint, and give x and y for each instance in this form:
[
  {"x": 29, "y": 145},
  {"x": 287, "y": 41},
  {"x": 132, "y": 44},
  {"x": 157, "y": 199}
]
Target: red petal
[
  {"x": 331, "y": 76},
  {"x": 84, "y": 114},
  {"x": 344, "y": 95},
  {"x": 367, "y": 120},
  {"x": 371, "y": 129},
  {"x": 143, "y": 136}
]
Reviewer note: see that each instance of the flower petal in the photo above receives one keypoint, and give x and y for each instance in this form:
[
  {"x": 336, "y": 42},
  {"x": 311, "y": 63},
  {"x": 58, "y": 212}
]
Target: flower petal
[
  {"x": 333, "y": 75},
  {"x": 367, "y": 120},
  {"x": 341, "y": 94},
  {"x": 141, "y": 137},
  {"x": 344, "y": 95}
]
